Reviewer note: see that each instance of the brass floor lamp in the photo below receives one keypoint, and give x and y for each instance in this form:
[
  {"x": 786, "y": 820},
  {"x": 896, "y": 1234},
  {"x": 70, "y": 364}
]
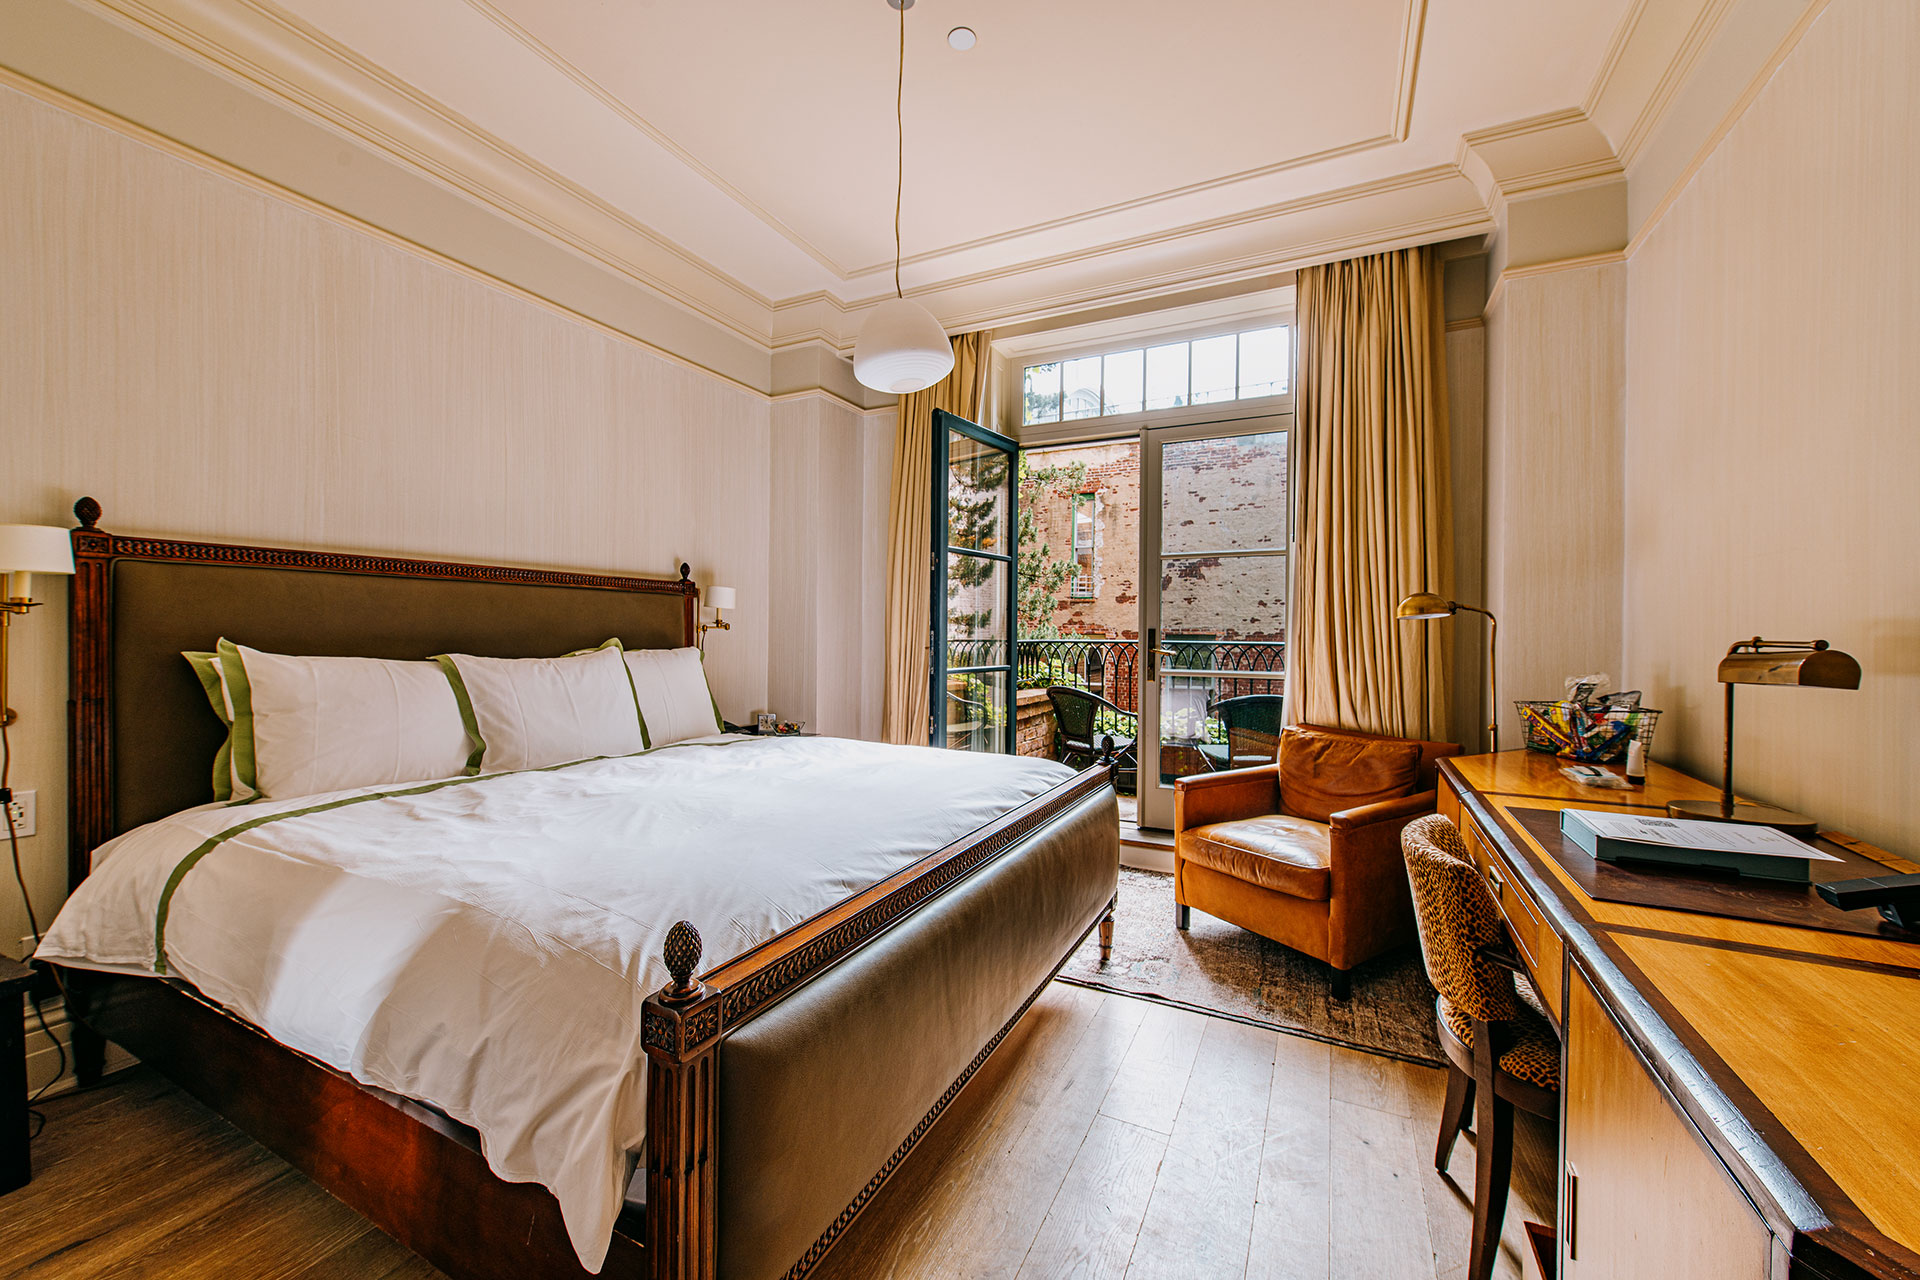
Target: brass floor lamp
[{"x": 1423, "y": 606}]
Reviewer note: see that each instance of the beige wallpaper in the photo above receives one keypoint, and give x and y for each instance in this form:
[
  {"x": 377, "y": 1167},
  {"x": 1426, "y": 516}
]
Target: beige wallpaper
[
  {"x": 832, "y": 471},
  {"x": 207, "y": 359},
  {"x": 1773, "y": 445},
  {"x": 1553, "y": 494}
]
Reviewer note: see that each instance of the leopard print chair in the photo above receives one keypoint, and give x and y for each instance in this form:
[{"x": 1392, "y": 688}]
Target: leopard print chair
[{"x": 1501, "y": 1050}]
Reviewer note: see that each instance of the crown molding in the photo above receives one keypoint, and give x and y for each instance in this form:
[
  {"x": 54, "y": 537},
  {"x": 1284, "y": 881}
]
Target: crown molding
[{"x": 270, "y": 53}]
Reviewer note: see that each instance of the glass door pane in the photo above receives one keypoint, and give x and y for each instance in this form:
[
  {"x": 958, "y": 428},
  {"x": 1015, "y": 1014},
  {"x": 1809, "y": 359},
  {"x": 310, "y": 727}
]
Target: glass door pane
[
  {"x": 975, "y": 486},
  {"x": 1215, "y": 529}
]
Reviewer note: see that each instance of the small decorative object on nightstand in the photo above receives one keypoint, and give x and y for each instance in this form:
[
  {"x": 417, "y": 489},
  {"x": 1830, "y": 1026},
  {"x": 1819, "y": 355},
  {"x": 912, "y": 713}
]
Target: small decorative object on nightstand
[{"x": 15, "y": 1167}]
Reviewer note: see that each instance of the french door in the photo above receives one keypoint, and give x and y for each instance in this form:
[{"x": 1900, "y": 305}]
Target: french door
[
  {"x": 976, "y": 485},
  {"x": 1214, "y": 531}
]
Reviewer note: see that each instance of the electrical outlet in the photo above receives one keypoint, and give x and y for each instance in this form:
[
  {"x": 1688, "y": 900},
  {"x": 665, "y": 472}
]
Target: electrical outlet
[{"x": 20, "y": 810}]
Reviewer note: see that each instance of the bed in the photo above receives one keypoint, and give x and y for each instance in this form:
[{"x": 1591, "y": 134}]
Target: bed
[{"x": 785, "y": 1076}]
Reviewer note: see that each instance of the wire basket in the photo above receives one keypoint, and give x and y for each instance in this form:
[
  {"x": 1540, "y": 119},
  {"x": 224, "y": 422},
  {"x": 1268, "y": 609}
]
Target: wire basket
[{"x": 1592, "y": 735}]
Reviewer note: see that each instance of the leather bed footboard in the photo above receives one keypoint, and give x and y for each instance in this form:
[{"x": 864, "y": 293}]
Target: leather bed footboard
[{"x": 822, "y": 1090}]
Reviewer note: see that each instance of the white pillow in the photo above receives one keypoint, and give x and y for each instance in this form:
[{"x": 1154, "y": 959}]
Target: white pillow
[
  {"x": 671, "y": 688},
  {"x": 528, "y": 713},
  {"x": 304, "y": 725}
]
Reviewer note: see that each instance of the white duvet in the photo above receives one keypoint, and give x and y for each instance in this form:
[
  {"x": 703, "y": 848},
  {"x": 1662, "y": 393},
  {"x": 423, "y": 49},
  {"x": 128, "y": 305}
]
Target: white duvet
[{"x": 485, "y": 945}]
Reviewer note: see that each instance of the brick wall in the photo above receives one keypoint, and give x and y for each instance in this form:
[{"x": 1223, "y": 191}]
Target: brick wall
[{"x": 1219, "y": 495}]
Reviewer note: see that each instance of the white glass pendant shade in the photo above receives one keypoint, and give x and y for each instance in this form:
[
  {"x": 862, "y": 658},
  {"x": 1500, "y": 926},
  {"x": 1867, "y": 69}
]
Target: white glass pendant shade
[{"x": 901, "y": 348}]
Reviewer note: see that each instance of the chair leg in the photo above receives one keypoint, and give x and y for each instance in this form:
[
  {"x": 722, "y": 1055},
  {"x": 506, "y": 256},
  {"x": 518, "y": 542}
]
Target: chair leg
[
  {"x": 1182, "y": 916},
  {"x": 1106, "y": 933},
  {"x": 1340, "y": 986},
  {"x": 1492, "y": 1162},
  {"x": 1453, "y": 1116}
]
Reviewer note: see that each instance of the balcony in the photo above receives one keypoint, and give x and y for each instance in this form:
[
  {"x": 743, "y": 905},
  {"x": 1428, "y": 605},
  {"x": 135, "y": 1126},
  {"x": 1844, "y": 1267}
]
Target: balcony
[{"x": 1192, "y": 737}]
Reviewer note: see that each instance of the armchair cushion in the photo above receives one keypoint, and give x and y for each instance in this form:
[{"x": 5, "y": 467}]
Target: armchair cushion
[
  {"x": 1287, "y": 855},
  {"x": 1324, "y": 772}
]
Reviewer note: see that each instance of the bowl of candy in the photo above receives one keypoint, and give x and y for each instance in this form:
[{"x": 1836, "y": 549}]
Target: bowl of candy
[{"x": 787, "y": 728}]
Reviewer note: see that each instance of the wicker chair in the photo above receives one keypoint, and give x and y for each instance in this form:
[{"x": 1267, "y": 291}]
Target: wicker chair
[
  {"x": 1501, "y": 1050},
  {"x": 1077, "y": 739}
]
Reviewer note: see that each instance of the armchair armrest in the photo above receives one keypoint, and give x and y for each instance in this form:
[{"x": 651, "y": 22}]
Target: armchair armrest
[
  {"x": 1225, "y": 797},
  {"x": 1402, "y": 811}
]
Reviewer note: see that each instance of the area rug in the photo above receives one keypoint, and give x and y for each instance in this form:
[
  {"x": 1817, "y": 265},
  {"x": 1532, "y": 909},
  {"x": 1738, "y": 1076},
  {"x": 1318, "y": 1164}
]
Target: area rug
[{"x": 1219, "y": 968}]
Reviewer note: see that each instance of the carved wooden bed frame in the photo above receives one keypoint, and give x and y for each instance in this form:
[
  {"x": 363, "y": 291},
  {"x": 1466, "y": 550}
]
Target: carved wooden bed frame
[{"x": 411, "y": 1170}]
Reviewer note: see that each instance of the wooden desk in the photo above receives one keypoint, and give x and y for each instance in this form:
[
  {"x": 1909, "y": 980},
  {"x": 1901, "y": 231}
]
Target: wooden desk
[{"x": 1737, "y": 1097}]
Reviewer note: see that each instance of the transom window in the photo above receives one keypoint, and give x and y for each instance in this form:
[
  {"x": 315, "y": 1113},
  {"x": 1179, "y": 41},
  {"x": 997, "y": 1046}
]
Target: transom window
[{"x": 1232, "y": 366}]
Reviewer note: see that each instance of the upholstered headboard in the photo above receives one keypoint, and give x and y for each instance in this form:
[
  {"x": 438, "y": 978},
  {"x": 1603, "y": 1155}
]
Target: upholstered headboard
[{"x": 143, "y": 738}]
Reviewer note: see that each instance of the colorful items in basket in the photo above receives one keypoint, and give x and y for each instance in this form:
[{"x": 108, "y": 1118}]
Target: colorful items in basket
[
  {"x": 1585, "y": 727},
  {"x": 786, "y": 728}
]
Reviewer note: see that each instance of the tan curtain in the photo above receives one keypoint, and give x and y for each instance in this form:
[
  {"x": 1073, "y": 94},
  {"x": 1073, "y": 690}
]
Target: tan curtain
[
  {"x": 1375, "y": 516},
  {"x": 964, "y": 391}
]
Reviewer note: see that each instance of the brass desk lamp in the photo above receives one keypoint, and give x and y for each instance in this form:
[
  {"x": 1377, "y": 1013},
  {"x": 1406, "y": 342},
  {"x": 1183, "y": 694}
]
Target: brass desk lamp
[
  {"x": 1758, "y": 661},
  {"x": 1424, "y": 606}
]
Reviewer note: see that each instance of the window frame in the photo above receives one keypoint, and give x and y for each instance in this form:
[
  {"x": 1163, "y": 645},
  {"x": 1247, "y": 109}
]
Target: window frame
[
  {"x": 1067, "y": 430},
  {"x": 1092, "y": 589}
]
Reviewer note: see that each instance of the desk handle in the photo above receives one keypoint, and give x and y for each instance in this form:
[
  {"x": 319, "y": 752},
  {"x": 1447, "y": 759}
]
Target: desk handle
[{"x": 1496, "y": 882}]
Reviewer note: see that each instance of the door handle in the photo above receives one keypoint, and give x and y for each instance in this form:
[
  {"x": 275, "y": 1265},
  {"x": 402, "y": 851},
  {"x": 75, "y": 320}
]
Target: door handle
[{"x": 1153, "y": 654}]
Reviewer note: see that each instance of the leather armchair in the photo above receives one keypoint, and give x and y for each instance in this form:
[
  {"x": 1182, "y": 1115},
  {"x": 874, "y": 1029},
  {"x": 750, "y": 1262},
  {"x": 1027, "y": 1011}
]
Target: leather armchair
[{"x": 1335, "y": 890}]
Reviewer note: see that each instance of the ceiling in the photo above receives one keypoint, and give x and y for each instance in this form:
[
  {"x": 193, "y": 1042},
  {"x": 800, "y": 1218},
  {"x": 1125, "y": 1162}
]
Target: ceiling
[{"x": 740, "y": 157}]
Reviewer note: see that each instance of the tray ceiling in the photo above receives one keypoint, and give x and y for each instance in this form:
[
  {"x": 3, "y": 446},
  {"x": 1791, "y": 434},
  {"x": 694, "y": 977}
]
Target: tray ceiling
[{"x": 741, "y": 156}]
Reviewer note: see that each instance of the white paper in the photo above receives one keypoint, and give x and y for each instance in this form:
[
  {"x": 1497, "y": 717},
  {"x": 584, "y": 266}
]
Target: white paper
[{"x": 1694, "y": 833}]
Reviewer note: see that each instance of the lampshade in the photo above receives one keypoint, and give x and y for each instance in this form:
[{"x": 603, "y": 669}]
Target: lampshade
[
  {"x": 719, "y": 598},
  {"x": 1422, "y": 605},
  {"x": 27, "y": 549},
  {"x": 1760, "y": 661},
  {"x": 901, "y": 348}
]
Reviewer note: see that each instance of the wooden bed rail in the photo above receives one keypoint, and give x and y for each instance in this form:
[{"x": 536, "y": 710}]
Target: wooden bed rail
[{"x": 682, "y": 1024}]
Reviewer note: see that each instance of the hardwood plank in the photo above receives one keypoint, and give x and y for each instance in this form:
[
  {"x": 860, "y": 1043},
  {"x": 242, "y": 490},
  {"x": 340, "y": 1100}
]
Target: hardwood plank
[
  {"x": 1153, "y": 1078},
  {"x": 1007, "y": 1202},
  {"x": 1290, "y": 1218},
  {"x": 137, "y": 1179},
  {"x": 1092, "y": 1224},
  {"x": 1378, "y": 1217},
  {"x": 1368, "y": 1080},
  {"x": 1449, "y": 1197},
  {"x": 1200, "y": 1218}
]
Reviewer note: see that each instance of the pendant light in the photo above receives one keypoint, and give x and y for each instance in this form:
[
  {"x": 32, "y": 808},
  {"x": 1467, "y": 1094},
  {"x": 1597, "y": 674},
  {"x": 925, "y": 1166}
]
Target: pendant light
[{"x": 901, "y": 348}]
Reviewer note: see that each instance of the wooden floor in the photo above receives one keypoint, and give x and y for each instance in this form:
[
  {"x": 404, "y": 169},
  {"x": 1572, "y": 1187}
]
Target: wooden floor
[{"x": 1107, "y": 1136}]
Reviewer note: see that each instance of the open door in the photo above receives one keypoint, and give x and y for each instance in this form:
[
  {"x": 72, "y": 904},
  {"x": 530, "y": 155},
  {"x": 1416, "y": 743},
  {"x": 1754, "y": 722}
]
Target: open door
[
  {"x": 976, "y": 481},
  {"x": 1214, "y": 533}
]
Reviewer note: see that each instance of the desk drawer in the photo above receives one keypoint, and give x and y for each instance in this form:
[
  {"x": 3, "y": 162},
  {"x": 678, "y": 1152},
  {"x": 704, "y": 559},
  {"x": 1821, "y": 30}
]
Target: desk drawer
[{"x": 1537, "y": 943}]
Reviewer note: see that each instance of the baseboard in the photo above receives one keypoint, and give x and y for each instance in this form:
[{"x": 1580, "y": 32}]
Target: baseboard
[
  {"x": 50, "y": 1068},
  {"x": 1145, "y": 854}
]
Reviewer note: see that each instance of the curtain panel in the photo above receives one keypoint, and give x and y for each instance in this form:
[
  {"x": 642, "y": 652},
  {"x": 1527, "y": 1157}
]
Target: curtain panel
[
  {"x": 909, "y": 536},
  {"x": 1375, "y": 514}
]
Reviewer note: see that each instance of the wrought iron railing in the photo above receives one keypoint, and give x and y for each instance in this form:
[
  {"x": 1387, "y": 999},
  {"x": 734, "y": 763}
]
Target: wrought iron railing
[{"x": 1110, "y": 668}]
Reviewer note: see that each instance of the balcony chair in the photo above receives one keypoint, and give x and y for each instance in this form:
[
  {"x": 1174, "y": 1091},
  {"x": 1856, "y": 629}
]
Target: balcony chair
[
  {"x": 1077, "y": 739},
  {"x": 1306, "y": 851},
  {"x": 1253, "y": 722},
  {"x": 1501, "y": 1050}
]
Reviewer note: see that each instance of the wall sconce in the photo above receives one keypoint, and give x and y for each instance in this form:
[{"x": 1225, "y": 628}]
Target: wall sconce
[
  {"x": 719, "y": 599},
  {"x": 1424, "y": 606},
  {"x": 1758, "y": 661},
  {"x": 26, "y": 549}
]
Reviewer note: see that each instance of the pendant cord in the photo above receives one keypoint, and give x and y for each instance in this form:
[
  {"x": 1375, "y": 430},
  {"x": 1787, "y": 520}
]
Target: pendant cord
[{"x": 900, "y": 149}]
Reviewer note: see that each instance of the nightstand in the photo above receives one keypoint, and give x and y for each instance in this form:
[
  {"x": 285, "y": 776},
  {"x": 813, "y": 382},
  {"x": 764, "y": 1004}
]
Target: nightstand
[{"x": 15, "y": 1168}]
